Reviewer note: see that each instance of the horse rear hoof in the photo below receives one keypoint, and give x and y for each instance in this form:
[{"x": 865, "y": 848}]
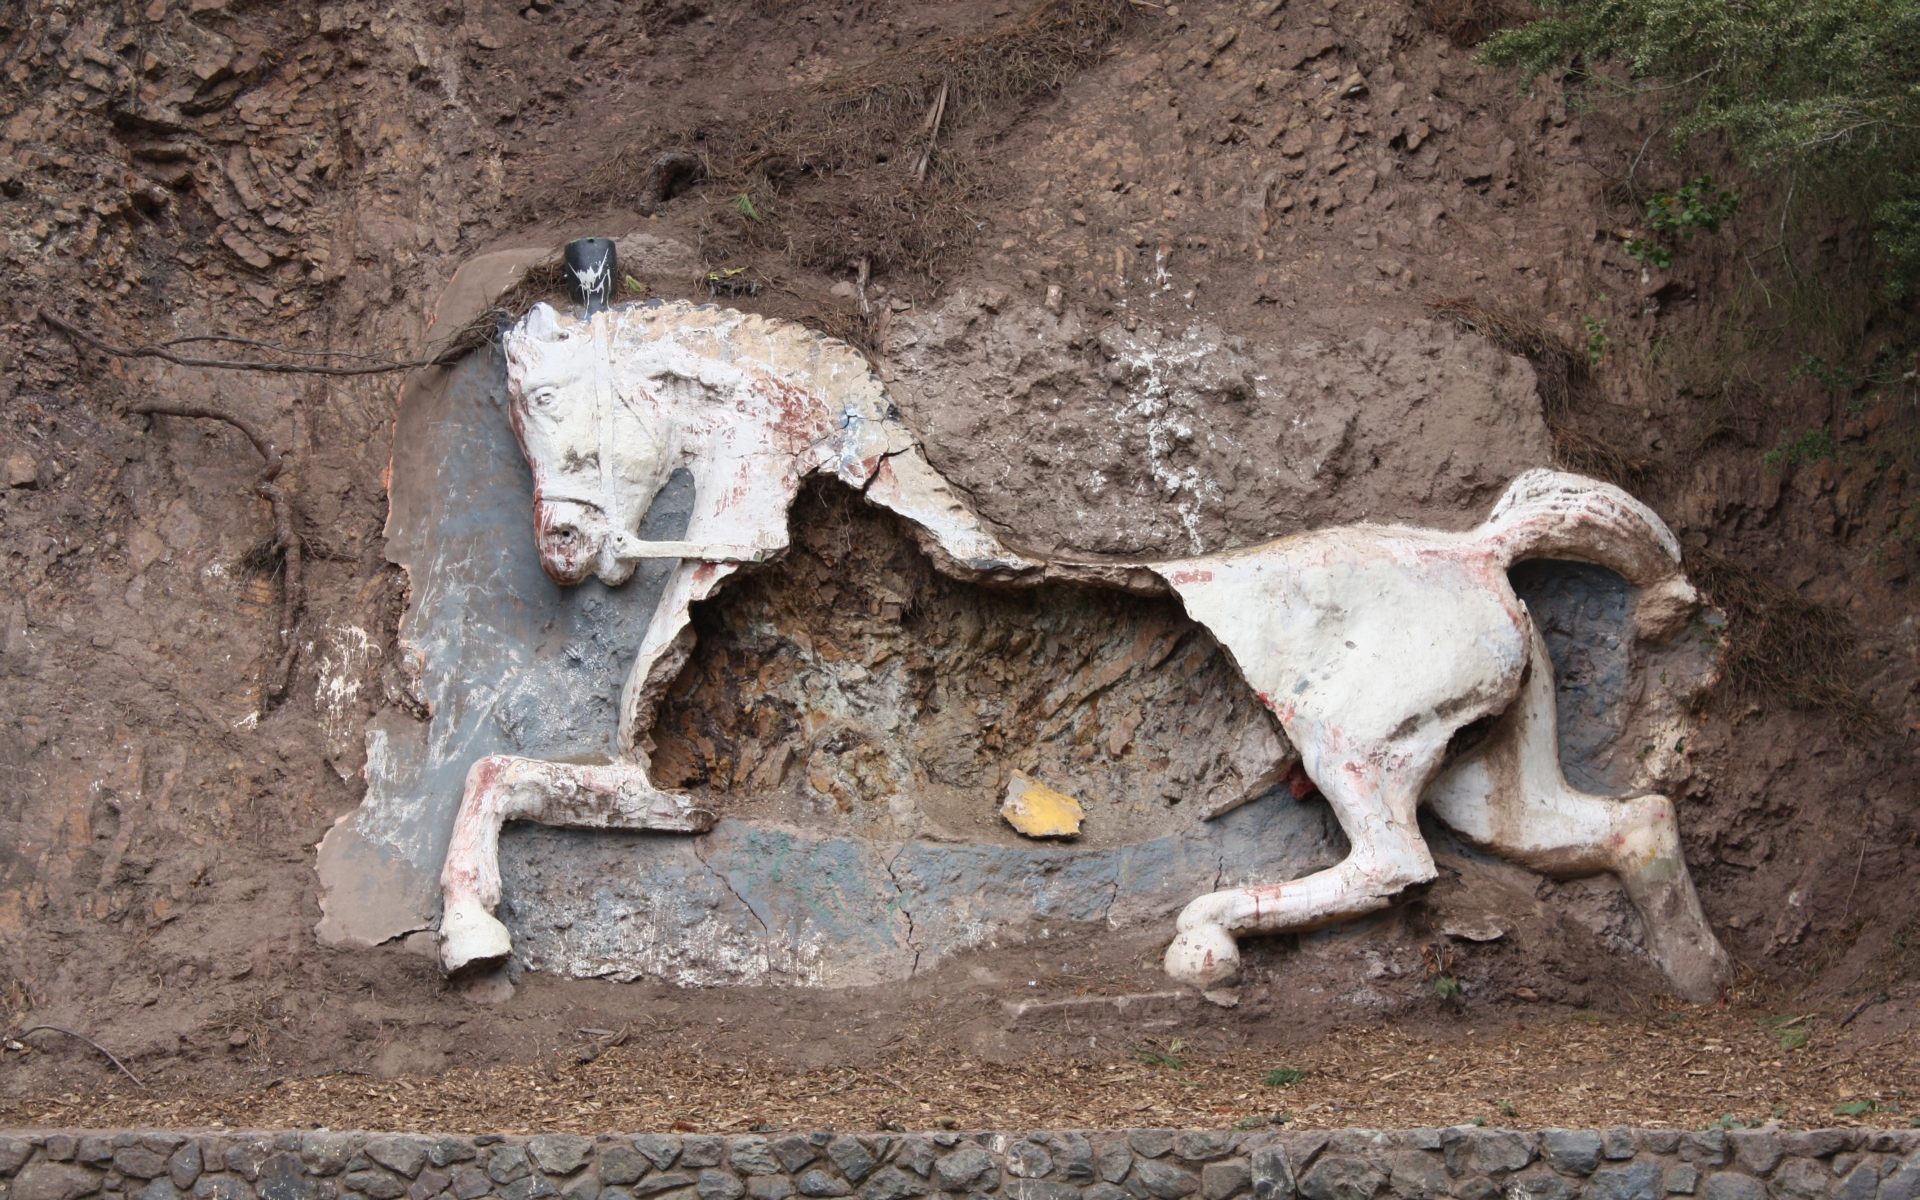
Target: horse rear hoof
[
  {"x": 1205, "y": 957},
  {"x": 469, "y": 934}
]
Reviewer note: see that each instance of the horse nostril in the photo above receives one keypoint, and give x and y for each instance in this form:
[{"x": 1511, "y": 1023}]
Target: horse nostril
[{"x": 564, "y": 537}]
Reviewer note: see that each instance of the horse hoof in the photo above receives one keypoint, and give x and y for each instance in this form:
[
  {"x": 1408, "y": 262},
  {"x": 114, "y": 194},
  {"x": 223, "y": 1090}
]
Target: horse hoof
[
  {"x": 1205, "y": 956},
  {"x": 469, "y": 934}
]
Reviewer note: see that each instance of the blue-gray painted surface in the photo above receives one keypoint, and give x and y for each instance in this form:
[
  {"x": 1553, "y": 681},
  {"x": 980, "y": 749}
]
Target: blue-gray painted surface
[{"x": 1585, "y": 613}]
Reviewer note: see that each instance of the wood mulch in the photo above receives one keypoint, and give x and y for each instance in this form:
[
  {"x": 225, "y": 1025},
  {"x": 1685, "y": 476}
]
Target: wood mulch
[{"x": 1685, "y": 1068}]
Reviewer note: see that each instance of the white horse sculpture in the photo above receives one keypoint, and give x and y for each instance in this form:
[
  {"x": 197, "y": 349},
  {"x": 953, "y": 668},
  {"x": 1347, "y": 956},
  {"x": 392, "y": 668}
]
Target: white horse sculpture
[{"x": 1373, "y": 645}]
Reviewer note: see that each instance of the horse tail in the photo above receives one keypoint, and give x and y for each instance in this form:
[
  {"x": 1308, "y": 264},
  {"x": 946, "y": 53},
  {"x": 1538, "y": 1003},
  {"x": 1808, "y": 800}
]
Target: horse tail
[{"x": 1551, "y": 514}]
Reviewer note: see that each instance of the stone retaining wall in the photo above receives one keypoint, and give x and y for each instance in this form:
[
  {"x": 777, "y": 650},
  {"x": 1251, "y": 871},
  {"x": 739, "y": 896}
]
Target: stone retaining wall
[{"x": 1462, "y": 1162}]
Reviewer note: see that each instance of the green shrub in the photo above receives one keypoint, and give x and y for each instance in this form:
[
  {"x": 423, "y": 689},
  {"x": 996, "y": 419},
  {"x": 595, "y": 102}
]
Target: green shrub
[{"x": 1825, "y": 90}]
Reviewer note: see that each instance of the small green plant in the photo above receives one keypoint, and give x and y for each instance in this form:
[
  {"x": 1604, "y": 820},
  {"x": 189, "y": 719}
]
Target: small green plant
[
  {"x": 1794, "y": 1039},
  {"x": 1253, "y": 1122},
  {"x": 1507, "y": 1109},
  {"x": 1697, "y": 207},
  {"x": 1449, "y": 989},
  {"x": 1168, "y": 1058},
  {"x": 1591, "y": 1018},
  {"x": 1478, "y": 1121},
  {"x": 744, "y": 203},
  {"x": 1597, "y": 339},
  {"x": 1283, "y": 1077},
  {"x": 1855, "y": 1108},
  {"x": 633, "y": 285},
  {"x": 1812, "y": 366},
  {"x": 1815, "y": 445}
]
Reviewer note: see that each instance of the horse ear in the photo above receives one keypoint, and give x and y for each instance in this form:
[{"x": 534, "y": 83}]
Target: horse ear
[{"x": 541, "y": 324}]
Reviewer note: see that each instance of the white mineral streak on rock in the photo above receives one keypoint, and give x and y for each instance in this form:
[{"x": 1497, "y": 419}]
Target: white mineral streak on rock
[{"x": 347, "y": 655}]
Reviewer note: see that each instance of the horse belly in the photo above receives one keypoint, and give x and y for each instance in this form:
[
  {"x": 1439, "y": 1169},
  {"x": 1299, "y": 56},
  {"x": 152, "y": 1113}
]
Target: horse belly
[{"x": 1360, "y": 639}]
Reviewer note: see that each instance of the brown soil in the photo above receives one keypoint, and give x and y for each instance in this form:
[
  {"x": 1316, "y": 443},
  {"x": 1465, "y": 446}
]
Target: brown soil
[{"x": 312, "y": 176}]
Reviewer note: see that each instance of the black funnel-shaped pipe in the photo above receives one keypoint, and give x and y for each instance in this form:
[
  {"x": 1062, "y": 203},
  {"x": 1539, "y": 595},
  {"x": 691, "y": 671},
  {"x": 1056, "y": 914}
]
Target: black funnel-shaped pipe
[{"x": 593, "y": 271}]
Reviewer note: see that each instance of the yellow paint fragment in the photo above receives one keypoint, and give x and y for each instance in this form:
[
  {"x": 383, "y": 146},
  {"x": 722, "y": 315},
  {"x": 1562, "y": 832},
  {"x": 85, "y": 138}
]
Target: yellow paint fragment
[{"x": 1038, "y": 811}]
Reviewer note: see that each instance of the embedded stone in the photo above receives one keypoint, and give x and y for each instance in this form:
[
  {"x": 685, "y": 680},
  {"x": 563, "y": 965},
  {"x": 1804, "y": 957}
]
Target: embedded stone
[
  {"x": 94, "y": 1150},
  {"x": 446, "y": 1151},
  {"x": 819, "y": 1183},
  {"x": 702, "y": 1151},
  {"x": 1424, "y": 1139},
  {"x": 54, "y": 1181},
  {"x": 1756, "y": 1151},
  {"x": 1112, "y": 1160},
  {"x": 284, "y": 1177},
  {"x": 1041, "y": 1189},
  {"x": 794, "y": 1152},
  {"x": 430, "y": 1183},
  {"x": 229, "y": 1187},
  {"x": 1816, "y": 1143},
  {"x": 403, "y": 1154},
  {"x": 1575, "y": 1151},
  {"x": 1163, "y": 1180},
  {"x": 509, "y": 1164},
  {"x": 769, "y": 1187},
  {"x": 1656, "y": 1141},
  {"x": 1635, "y": 1181},
  {"x": 1150, "y": 1143},
  {"x": 183, "y": 1165},
  {"x": 916, "y": 1154},
  {"x": 582, "y": 1187},
  {"x": 1105, "y": 1191},
  {"x": 554, "y": 1153},
  {"x": 1038, "y": 811},
  {"x": 891, "y": 1183},
  {"x": 158, "y": 1189},
  {"x": 1455, "y": 1142},
  {"x": 1203, "y": 1145},
  {"x": 1414, "y": 1175},
  {"x": 660, "y": 1148},
  {"x": 752, "y": 1156},
  {"x": 1707, "y": 1147},
  {"x": 1072, "y": 1155},
  {"x": 138, "y": 1162},
  {"x": 1342, "y": 1177},
  {"x": 533, "y": 1187},
  {"x": 1272, "y": 1174},
  {"x": 968, "y": 1168},
  {"x": 376, "y": 1183},
  {"x": 324, "y": 1153},
  {"x": 1683, "y": 1179},
  {"x": 1477, "y": 1188},
  {"x": 621, "y": 1165},
  {"x": 245, "y": 1158},
  {"x": 61, "y": 1147},
  {"x": 1028, "y": 1161},
  {"x": 1617, "y": 1143},
  {"x": 616, "y": 1193},
  {"x": 470, "y": 1183},
  {"x": 855, "y": 1161},
  {"x": 1861, "y": 1183},
  {"x": 1800, "y": 1179},
  {"x": 1504, "y": 1150},
  {"x": 653, "y": 1185},
  {"x": 1732, "y": 1185},
  {"x": 1902, "y": 1184},
  {"x": 14, "y": 1152},
  {"x": 718, "y": 1185},
  {"x": 1538, "y": 1183},
  {"x": 1219, "y": 1180}
]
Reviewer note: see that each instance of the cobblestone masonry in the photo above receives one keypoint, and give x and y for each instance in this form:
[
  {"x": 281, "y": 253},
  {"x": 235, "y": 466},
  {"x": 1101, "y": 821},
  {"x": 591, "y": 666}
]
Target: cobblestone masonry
[{"x": 1462, "y": 1162}]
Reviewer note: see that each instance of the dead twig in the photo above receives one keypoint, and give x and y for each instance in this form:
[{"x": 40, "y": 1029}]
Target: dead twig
[
  {"x": 932, "y": 130},
  {"x": 89, "y": 1041},
  {"x": 286, "y": 540},
  {"x": 164, "y": 352}
]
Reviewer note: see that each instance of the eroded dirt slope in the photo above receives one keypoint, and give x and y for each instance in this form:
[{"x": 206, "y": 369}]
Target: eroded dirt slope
[{"x": 1288, "y": 175}]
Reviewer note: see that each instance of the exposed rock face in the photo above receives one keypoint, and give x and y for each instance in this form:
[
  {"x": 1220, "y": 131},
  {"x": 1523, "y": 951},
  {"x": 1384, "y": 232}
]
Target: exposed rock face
[{"x": 1164, "y": 441}]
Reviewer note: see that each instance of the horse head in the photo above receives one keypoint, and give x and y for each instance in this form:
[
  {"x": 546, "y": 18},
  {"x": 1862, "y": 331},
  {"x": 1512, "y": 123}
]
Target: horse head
[{"x": 599, "y": 455}]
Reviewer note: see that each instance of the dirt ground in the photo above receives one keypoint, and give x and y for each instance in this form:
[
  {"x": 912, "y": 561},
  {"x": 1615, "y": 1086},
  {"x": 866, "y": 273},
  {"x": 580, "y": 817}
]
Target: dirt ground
[{"x": 310, "y": 177}]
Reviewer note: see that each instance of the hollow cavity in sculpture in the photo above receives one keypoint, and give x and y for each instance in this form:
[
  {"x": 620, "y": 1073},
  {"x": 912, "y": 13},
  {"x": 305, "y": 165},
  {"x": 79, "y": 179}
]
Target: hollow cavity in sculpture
[{"x": 1372, "y": 645}]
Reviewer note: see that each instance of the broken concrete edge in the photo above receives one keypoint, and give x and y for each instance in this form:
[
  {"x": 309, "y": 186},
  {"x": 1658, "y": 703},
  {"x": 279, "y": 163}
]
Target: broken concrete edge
[{"x": 1466, "y": 1162}]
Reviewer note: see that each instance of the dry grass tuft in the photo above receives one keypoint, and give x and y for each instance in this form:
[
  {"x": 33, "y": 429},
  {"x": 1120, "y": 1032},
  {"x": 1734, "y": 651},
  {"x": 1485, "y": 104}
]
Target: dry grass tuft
[
  {"x": 1782, "y": 646},
  {"x": 1467, "y": 23}
]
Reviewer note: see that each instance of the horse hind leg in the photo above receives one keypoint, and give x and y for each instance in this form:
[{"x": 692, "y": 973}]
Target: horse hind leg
[
  {"x": 1510, "y": 797},
  {"x": 502, "y": 788},
  {"x": 1375, "y": 804}
]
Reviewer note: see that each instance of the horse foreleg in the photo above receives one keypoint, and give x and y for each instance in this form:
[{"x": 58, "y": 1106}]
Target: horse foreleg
[
  {"x": 501, "y": 788},
  {"x": 1511, "y": 798},
  {"x": 1375, "y": 796}
]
